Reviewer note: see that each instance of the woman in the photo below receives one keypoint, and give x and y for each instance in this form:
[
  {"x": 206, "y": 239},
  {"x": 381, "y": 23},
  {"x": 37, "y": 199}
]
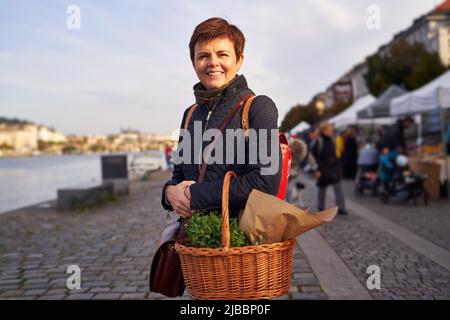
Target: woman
[
  {"x": 217, "y": 53},
  {"x": 328, "y": 168}
]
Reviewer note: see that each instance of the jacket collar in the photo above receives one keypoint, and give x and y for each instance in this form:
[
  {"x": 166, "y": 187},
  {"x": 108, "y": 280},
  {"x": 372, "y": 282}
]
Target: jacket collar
[{"x": 208, "y": 97}]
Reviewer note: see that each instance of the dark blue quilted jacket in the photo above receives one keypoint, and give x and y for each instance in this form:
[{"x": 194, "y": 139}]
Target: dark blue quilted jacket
[{"x": 208, "y": 194}]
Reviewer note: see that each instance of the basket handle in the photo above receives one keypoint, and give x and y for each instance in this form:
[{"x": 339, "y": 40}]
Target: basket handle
[{"x": 225, "y": 209}]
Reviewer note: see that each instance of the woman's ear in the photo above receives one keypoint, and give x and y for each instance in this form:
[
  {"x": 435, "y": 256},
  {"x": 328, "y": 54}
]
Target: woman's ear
[{"x": 240, "y": 61}]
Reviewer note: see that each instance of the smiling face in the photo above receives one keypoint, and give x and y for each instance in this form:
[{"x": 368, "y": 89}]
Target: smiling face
[{"x": 215, "y": 62}]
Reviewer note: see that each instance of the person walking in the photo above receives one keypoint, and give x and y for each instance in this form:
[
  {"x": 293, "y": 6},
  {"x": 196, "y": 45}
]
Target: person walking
[
  {"x": 299, "y": 151},
  {"x": 349, "y": 154},
  {"x": 328, "y": 170},
  {"x": 168, "y": 155}
]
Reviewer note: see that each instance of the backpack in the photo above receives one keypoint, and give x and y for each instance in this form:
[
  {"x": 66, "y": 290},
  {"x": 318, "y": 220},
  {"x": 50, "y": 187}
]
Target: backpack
[{"x": 286, "y": 154}]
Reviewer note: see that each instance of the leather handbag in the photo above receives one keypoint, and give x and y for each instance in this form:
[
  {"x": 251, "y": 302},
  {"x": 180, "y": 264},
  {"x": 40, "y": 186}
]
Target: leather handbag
[{"x": 166, "y": 276}]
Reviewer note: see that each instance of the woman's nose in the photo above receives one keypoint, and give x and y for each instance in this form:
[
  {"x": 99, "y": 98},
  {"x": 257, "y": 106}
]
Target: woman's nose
[{"x": 213, "y": 61}]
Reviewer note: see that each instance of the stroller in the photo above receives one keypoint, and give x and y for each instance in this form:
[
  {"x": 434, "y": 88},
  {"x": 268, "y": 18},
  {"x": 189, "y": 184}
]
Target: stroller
[
  {"x": 367, "y": 177},
  {"x": 406, "y": 185}
]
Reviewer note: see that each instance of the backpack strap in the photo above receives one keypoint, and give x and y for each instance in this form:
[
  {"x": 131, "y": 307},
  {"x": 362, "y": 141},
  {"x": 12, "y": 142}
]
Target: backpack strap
[
  {"x": 189, "y": 115},
  {"x": 245, "y": 122}
]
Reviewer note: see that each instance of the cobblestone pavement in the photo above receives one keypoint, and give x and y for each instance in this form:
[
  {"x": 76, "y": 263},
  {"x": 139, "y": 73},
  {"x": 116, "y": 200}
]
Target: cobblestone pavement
[
  {"x": 431, "y": 222},
  {"x": 405, "y": 274},
  {"x": 112, "y": 245}
]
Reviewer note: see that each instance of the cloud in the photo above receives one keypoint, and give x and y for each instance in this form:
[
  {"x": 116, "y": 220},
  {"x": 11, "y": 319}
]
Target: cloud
[{"x": 129, "y": 64}]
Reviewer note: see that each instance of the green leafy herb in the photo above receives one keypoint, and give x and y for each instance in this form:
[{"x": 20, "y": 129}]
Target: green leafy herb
[{"x": 203, "y": 230}]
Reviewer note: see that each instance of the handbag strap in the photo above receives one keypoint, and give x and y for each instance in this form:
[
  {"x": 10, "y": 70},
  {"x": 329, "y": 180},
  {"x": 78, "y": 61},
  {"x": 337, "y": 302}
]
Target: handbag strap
[
  {"x": 245, "y": 122},
  {"x": 230, "y": 114},
  {"x": 189, "y": 114}
]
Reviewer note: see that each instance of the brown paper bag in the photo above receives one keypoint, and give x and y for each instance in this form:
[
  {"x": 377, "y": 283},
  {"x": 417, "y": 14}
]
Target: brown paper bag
[{"x": 268, "y": 219}]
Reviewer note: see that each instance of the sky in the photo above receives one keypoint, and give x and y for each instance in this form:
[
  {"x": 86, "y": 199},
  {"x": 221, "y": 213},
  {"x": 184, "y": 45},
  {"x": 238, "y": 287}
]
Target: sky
[{"x": 128, "y": 64}]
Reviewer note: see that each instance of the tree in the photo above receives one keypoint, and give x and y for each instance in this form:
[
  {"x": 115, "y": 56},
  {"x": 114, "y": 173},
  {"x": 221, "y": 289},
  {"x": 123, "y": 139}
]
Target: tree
[
  {"x": 299, "y": 113},
  {"x": 292, "y": 118},
  {"x": 407, "y": 65},
  {"x": 13, "y": 121}
]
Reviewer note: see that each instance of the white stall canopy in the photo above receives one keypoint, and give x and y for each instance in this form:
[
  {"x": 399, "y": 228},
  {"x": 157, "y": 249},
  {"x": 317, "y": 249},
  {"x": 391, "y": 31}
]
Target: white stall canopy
[
  {"x": 348, "y": 117},
  {"x": 302, "y": 126},
  {"x": 432, "y": 96},
  {"x": 380, "y": 107}
]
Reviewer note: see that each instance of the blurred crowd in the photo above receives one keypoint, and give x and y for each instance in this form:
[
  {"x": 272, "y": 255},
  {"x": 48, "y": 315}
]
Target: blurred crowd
[{"x": 377, "y": 163}]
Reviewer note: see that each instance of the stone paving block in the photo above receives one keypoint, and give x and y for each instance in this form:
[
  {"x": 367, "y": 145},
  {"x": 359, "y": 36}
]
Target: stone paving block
[
  {"x": 107, "y": 296},
  {"x": 23, "y": 298},
  {"x": 6, "y": 288},
  {"x": 12, "y": 293},
  {"x": 10, "y": 282},
  {"x": 52, "y": 297},
  {"x": 35, "y": 286},
  {"x": 51, "y": 292},
  {"x": 36, "y": 292},
  {"x": 305, "y": 288},
  {"x": 36, "y": 281},
  {"x": 305, "y": 282},
  {"x": 80, "y": 296},
  {"x": 154, "y": 295},
  {"x": 309, "y": 296},
  {"x": 95, "y": 284},
  {"x": 133, "y": 296},
  {"x": 100, "y": 289},
  {"x": 125, "y": 289}
]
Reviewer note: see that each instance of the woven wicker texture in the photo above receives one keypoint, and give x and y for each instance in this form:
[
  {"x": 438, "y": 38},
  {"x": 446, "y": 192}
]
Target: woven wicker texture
[{"x": 251, "y": 272}]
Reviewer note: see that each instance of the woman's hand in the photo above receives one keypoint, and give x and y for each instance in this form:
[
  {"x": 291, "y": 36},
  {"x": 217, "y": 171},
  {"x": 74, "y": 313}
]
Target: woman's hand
[
  {"x": 180, "y": 199},
  {"x": 318, "y": 174}
]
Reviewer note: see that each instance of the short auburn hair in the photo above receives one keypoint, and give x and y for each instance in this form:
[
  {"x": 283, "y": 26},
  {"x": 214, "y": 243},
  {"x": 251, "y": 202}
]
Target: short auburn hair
[{"x": 214, "y": 28}]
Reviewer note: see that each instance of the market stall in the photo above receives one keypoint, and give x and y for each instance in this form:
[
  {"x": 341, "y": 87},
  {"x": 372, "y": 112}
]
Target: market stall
[
  {"x": 433, "y": 96},
  {"x": 432, "y": 165},
  {"x": 348, "y": 116},
  {"x": 380, "y": 107}
]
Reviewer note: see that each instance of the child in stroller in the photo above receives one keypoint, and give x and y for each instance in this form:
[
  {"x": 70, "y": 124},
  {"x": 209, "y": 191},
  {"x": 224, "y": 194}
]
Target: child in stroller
[
  {"x": 366, "y": 177},
  {"x": 405, "y": 185}
]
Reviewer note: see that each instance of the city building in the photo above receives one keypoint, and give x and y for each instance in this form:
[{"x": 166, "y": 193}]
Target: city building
[{"x": 431, "y": 29}]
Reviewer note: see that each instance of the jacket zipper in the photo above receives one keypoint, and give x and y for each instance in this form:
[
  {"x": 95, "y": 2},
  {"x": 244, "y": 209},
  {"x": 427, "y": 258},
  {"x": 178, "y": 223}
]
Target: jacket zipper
[{"x": 206, "y": 126}]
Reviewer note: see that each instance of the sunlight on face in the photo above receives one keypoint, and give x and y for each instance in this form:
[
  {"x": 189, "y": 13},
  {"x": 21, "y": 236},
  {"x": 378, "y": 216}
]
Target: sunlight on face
[{"x": 215, "y": 62}]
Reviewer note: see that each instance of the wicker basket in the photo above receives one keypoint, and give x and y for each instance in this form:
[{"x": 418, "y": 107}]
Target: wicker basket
[{"x": 251, "y": 272}]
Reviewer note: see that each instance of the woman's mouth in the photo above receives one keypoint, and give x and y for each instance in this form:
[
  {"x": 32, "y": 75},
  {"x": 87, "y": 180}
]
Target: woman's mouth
[{"x": 214, "y": 73}]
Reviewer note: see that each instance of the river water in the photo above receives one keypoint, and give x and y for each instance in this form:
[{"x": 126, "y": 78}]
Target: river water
[{"x": 27, "y": 181}]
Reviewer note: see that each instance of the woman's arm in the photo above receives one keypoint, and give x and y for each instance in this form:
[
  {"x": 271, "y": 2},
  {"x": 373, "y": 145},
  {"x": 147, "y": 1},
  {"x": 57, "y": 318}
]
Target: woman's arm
[
  {"x": 177, "y": 174},
  {"x": 263, "y": 115}
]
